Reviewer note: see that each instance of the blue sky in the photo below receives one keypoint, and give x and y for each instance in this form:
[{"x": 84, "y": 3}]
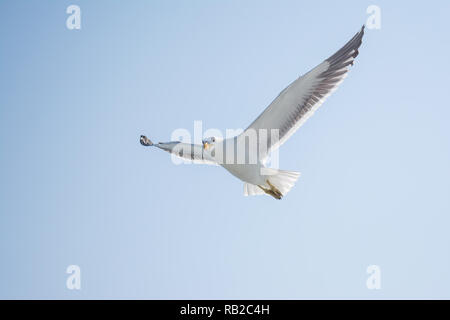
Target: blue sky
[{"x": 77, "y": 188}]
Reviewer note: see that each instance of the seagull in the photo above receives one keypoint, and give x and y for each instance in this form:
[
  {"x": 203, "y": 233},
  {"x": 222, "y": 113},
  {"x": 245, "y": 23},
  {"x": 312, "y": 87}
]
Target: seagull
[{"x": 290, "y": 109}]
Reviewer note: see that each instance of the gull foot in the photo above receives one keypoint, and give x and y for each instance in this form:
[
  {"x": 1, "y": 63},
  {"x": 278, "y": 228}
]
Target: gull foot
[{"x": 273, "y": 191}]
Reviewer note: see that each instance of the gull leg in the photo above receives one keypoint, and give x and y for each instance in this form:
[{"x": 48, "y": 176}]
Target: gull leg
[{"x": 273, "y": 191}]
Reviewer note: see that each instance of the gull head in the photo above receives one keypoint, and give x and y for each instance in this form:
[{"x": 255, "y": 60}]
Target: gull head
[{"x": 209, "y": 143}]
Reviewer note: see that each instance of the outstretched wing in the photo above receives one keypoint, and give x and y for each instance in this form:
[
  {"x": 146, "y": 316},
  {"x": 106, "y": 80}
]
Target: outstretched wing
[
  {"x": 187, "y": 151},
  {"x": 295, "y": 104}
]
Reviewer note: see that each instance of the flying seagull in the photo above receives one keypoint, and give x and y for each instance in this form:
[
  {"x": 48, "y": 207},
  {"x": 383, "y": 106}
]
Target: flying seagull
[{"x": 290, "y": 109}]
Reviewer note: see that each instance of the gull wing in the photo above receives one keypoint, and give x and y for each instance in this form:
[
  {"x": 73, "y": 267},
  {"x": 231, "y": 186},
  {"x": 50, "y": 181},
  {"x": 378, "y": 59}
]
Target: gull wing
[
  {"x": 295, "y": 104},
  {"x": 187, "y": 151}
]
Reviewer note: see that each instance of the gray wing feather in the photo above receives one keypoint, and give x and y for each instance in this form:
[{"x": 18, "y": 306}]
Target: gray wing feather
[
  {"x": 187, "y": 151},
  {"x": 295, "y": 104}
]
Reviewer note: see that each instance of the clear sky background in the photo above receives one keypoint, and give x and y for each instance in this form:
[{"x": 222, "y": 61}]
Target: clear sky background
[{"x": 77, "y": 188}]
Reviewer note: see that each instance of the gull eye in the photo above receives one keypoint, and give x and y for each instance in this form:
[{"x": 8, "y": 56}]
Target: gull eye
[{"x": 213, "y": 139}]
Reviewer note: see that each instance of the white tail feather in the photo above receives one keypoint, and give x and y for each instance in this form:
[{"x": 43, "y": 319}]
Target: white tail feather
[
  {"x": 281, "y": 179},
  {"x": 252, "y": 190},
  {"x": 284, "y": 180}
]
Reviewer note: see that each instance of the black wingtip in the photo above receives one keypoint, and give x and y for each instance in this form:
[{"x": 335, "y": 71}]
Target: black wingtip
[
  {"x": 360, "y": 33},
  {"x": 350, "y": 49},
  {"x": 145, "y": 141}
]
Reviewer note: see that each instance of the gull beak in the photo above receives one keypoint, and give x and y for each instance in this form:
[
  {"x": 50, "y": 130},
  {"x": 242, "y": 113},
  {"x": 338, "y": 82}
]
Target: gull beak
[{"x": 205, "y": 145}]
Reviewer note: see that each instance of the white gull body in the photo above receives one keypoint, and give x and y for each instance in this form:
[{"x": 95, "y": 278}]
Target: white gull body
[{"x": 290, "y": 109}]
